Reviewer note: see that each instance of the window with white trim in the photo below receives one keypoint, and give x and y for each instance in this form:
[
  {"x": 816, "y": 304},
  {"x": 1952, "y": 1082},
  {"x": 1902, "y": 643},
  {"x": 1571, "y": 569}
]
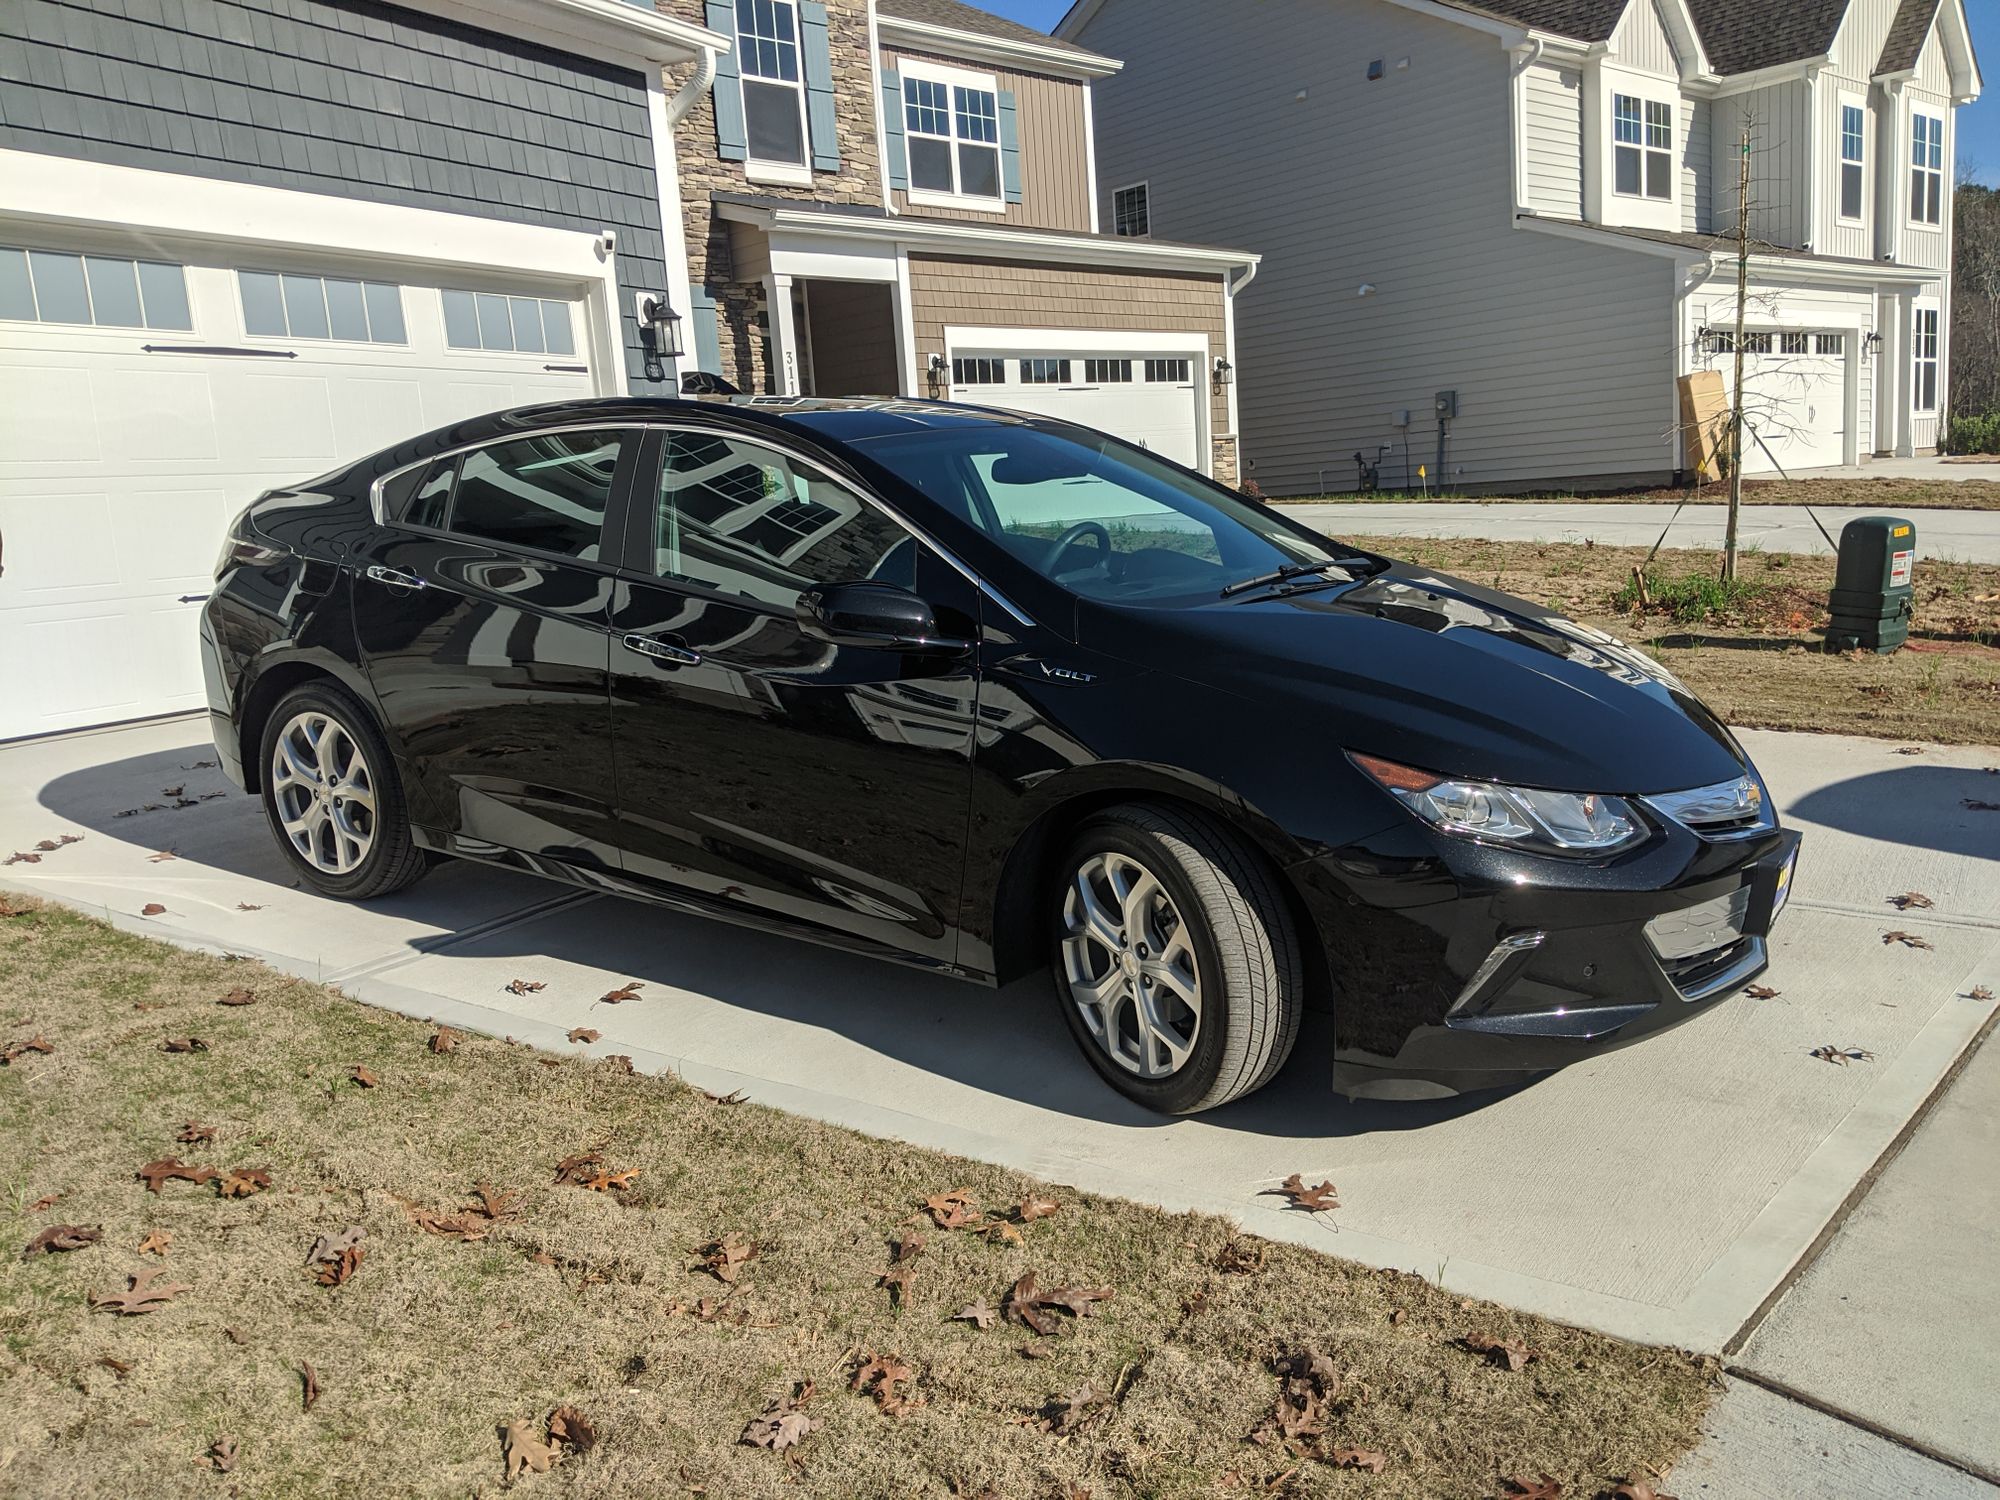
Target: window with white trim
[
  {"x": 1169, "y": 371},
  {"x": 107, "y": 291},
  {"x": 978, "y": 371},
  {"x": 1830, "y": 343},
  {"x": 284, "y": 305},
  {"x": 774, "y": 94},
  {"x": 527, "y": 325},
  {"x": 1106, "y": 371},
  {"x": 1926, "y": 340},
  {"x": 1926, "y": 168},
  {"x": 1131, "y": 212},
  {"x": 1045, "y": 372},
  {"x": 1853, "y": 159},
  {"x": 1642, "y": 133},
  {"x": 951, "y": 132}
]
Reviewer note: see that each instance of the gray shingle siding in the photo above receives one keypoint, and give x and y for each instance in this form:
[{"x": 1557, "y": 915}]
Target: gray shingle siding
[{"x": 343, "y": 97}]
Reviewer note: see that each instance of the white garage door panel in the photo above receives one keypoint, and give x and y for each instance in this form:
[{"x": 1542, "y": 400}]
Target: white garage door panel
[
  {"x": 121, "y": 468},
  {"x": 1161, "y": 416},
  {"x": 1797, "y": 404}
]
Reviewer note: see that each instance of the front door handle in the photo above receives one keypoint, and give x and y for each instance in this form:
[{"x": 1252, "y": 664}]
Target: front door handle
[
  {"x": 395, "y": 577},
  {"x": 660, "y": 650}
]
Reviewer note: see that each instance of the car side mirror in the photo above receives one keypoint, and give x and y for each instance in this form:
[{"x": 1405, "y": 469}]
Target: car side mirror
[{"x": 879, "y": 615}]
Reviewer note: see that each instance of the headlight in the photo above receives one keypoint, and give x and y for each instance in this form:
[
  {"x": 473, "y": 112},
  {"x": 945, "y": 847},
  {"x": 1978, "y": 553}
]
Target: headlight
[{"x": 1551, "y": 822}]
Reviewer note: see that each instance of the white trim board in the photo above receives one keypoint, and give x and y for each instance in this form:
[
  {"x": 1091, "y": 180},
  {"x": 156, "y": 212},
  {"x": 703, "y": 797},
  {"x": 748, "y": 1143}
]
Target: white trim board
[{"x": 1078, "y": 341}]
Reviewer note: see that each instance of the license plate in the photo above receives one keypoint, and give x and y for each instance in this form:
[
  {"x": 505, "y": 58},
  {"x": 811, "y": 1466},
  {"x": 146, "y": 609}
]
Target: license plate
[{"x": 1784, "y": 885}]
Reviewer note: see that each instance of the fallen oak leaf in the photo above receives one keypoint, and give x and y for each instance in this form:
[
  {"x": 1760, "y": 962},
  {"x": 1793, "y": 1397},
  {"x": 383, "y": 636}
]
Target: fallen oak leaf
[
  {"x": 722, "y": 1258},
  {"x": 576, "y": 1169},
  {"x": 1000, "y": 1231},
  {"x": 117, "y": 1367},
  {"x": 976, "y": 1313},
  {"x": 184, "y": 1044},
  {"x": 241, "y": 1182},
  {"x": 524, "y": 986},
  {"x": 12, "y": 1050},
  {"x": 954, "y": 1210},
  {"x": 1520, "y": 1487},
  {"x": 157, "y": 1242},
  {"x": 163, "y": 855},
  {"x": 1064, "y": 1415},
  {"x": 238, "y": 997},
  {"x": 1514, "y": 1354},
  {"x": 221, "y": 1455},
  {"x": 144, "y": 1293},
  {"x": 1761, "y": 992},
  {"x": 1020, "y": 1304},
  {"x": 1032, "y": 1208},
  {"x": 1312, "y": 1200},
  {"x": 734, "y": 1096},
  {"x": 524, "y": 1453},
  {"x": 618, "y": 1062},
  {"x": 443, "y": 1040},
  {"x": 171, "y": 1168},
  {"x": 782, "y": 1424},
  {"x": 583, "y": 1034},
  {"x": 1907, "y": 939},
  {"x": 879, "y": 1375},
  {"x": 1362, "y": 1458},
  {"x": 495, "y": 1205},
  {"x": 235, "y": 1336},
  {"x": 1842, "y": 1055},
  {"x": 627, "y": 991},
  {"x": 364, "y": 1076},
  {"x": 61, "y": 1237},
  {"x": 1912, "y": 899},
  {"x": 1635, "y": 1489},
  {"x": 612, "y": 1182},
  {"x": 194, "y": 1133},
  {"x": 334, "y": 1258},
  {"x": 22, "y": 857},
  {"x": 44, "y": 1203},
  {"x": 1979, "y": 992}
]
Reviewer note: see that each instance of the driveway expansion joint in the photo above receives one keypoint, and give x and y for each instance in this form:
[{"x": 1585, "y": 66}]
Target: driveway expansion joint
[{"x": 1860, "y": 1423}]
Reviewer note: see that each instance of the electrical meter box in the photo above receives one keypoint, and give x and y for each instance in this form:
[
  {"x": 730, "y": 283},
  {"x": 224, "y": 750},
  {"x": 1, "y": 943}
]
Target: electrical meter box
[{"x": 1874, "y": 585}]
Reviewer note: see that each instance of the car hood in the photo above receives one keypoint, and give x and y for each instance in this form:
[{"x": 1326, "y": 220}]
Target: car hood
[{"x": 1442, "y": 674}]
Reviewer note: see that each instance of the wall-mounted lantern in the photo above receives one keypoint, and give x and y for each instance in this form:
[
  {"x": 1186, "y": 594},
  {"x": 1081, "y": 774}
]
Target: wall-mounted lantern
[
  {"x": 659, "y": 335},
  {"x": 934, "y": 369},
  {"x": 1871, "y": 346},
  {"x": 1222, "y": 373}
]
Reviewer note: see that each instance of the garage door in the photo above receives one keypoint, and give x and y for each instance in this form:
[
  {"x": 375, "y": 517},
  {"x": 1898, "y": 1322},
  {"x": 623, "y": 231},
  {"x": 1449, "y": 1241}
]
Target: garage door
[
  {"x": 1795, "y": 401},
  {"x": 144, "y": 401},
  {"x": 1146, "y": 399}
]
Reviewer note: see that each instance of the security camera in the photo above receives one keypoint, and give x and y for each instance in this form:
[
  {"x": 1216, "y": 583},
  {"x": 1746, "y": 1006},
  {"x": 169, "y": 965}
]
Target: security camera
[{"x": 607, "y": 241}]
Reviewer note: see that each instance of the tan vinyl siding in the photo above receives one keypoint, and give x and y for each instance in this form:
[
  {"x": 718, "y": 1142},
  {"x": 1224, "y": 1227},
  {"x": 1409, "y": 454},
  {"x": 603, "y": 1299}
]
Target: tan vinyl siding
[
  {"x": 1554, "y": 183},
  {"x": 949, "y": 291},
  {"x": 1562, "y": 353},
  {"x": 1055, "y": 150},
  {"x": 1641, "y": 40},
  {"x": 1780, "y": 120}
]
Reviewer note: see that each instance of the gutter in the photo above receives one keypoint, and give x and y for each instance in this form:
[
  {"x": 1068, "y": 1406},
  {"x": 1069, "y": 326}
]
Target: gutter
[{"x": 699, "y": 83}]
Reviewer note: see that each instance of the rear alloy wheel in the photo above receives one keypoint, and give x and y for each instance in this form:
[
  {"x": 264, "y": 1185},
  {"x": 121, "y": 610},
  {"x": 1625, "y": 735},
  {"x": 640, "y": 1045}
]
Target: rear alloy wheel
[
  {"x": 332, "y": 798},
  {"x": 1176, "y": 964}
]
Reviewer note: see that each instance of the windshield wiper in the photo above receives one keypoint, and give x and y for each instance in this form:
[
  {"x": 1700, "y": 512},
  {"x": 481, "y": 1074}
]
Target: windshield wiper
[{"x": 1293, "y": 570}]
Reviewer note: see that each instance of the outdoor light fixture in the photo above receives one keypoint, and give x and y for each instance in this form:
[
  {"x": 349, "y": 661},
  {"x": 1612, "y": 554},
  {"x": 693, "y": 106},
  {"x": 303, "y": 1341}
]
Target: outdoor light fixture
[
  {"x": 1872, "y": 345},
  {"x": 1705, "y": 341},
  {"x": 659, "y": 335},
  {"x": 934, "y": 367},
  {"x": 1222, "y": 373}
]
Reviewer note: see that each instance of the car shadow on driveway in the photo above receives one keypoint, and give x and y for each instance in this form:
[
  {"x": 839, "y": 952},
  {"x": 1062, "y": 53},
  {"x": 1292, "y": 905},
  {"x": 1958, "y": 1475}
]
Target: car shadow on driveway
[
  {"x": 847, "y": 1024},
  {"x": 1924, "y": 807}
]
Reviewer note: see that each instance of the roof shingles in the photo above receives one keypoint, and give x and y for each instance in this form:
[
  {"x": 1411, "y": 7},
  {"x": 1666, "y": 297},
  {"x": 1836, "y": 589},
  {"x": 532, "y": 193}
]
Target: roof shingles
[
  {"x": 1907, "y": 35},
  {"x": 958, "y": 17},
  {"x": 1741, "y": 36}
]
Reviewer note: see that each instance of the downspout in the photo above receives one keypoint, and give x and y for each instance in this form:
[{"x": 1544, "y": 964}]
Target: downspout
[
  {"x": 699, "y": 83},
  {"x": 1231, "y": 287},
  {"x": 1525, "y": 57}
]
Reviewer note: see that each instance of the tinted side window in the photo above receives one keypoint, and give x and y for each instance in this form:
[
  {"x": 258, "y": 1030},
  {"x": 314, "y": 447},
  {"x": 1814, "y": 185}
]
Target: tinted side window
[
  {"x": 744, "y": 519},
  {"x": 546, "y": 494},
  {"x": 432, "y": 501}
]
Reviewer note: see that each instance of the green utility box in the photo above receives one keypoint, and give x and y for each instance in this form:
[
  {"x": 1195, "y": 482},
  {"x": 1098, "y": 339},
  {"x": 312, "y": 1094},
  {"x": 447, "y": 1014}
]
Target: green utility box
[{"x": 1874, "y": 586}]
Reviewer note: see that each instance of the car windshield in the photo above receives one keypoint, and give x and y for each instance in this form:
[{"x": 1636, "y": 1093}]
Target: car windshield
[{"x": 1101, "y": 517}]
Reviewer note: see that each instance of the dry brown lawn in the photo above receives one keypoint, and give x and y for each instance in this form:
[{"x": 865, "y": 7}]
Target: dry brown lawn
[
  {"x": 1756, "y": 655},
  {"x": 598, "y": 1300},
  {"x": 1870, "y": 494}
]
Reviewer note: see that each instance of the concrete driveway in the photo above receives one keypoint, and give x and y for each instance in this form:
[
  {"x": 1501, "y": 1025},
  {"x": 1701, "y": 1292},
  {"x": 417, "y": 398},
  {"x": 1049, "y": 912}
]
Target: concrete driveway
[
  {"x": 1661, "y": 1193},
  {"x": 1944, "y": 535}
]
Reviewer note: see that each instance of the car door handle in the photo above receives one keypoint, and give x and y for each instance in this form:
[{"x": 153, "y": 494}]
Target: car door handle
[
  {"x": 659, "y": 650},
  {"x": 395, "y": 577}
]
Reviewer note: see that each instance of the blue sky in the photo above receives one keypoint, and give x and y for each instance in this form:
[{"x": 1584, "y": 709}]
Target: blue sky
[{"x": 1978, "y": 125}]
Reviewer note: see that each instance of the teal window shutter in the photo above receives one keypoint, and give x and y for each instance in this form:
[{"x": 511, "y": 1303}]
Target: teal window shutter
[
  {"x": 892, "y": 130},
  {"x": 1010, "y": 149},
  {"x": 731, "y": 143},
  {"x": 819, "y": 86},
  {"x": 707, "y": 336}
]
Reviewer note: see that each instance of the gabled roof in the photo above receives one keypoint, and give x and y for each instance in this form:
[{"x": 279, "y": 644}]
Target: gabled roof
[
  {"x": 1907, "y": 34},
  {"x": 1581, "y": 20},
  {"x": 1742, "y": 36},
  {"x": 953, "y": 16}
]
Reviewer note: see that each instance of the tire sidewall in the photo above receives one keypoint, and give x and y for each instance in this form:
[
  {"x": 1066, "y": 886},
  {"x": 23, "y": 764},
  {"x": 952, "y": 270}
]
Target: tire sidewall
[
  {"x": 365, "y": 877},
  {"x": 1187, "y": 1089}
]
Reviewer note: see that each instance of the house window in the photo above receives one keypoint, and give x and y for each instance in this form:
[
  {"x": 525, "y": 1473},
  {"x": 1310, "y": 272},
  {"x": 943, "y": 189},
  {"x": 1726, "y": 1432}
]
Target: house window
[
  {"x": 486, "y": 320},
  {"x": 1830, "y": 343},
  {"x": 1853, "y": 158},
  {"x": 48, "y": 286},
  {"x": 321, "y": 307},
  {"x": 1795, "y": 343},
  {"x": 978, "y": 371},
  {"x": 1643, "y": 147},
  {"x": 1927, "y": 359},
  {"x": 1168, "y": 371},
  {"x": 951, "y": 127},
  {"x": 1926, "y": 169},
  {"x": 1130, "y": 213},
  {"x": 1106, "y": 371},
  {"x": 774, "y": 98},
  {"x": 1044, "y": 372}
]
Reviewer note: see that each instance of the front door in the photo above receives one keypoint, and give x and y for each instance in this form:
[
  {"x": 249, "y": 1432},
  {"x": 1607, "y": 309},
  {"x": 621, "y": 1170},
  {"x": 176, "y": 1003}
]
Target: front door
[
  {"x": 764, "y": 772},
  {"x": 481, "y": 611}
]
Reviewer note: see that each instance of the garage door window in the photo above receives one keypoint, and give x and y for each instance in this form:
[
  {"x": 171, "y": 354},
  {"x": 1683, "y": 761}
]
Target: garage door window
[
  {"x": 540, "y": 494},
  {"x": 321, "y": 307},
  {"x": 1169, "y": 371},
  {"x": 528, "y": 325},
  {"x": 105, "y": 291},
  {"x": 1045, "y": 372},
  {"x": 1107, "y": 371},
  {"x": 978, "y": 371}
]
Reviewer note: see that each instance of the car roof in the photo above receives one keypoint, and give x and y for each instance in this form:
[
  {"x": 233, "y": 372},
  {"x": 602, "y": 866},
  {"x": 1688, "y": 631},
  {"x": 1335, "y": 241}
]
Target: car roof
[{"x": 844, "y": 419}]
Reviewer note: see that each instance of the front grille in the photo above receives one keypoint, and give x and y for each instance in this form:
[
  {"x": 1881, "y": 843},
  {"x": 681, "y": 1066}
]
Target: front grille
[
  {"x": 1696, "y": 931},
  {"x": 1702, "y": 975},
  {"x": 1728, "y": 810}
]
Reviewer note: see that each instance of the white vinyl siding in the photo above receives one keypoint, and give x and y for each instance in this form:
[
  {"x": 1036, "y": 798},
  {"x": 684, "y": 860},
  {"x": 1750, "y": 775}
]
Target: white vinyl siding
[
  {"x": 1553, "y": 155},
  {"x": 1463, "y": 299},
  {"x": 1697, "y": 167},
  {"x": 1780, "y": 117},
  {"x": 1641, "y": 40}
]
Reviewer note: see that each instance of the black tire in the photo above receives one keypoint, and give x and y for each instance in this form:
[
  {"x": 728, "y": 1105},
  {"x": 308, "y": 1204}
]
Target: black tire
[
  {"x": 393, "y": 861},
  {"x": 1252, "y": 982}
]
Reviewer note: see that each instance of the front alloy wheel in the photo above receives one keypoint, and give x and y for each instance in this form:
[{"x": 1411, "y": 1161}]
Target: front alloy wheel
[
  {"x": 1130, "y": 962},
  {"x": 325, "y": 793}
]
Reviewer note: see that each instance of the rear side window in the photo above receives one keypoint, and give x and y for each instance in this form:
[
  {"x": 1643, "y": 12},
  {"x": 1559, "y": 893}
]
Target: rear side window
[
  {"x": 541, "y": 494},
  {"x": 419, "y": 496}
]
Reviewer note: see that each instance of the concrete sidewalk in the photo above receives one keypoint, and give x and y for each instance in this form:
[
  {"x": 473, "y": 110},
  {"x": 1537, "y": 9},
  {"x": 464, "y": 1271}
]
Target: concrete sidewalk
[
  {"x": 1945, "y": 535},
  {"x": 1659, "y": 1193}
]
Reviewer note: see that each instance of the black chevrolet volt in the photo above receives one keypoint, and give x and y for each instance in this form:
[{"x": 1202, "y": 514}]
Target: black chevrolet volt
[{"x": 984, "y": 692}]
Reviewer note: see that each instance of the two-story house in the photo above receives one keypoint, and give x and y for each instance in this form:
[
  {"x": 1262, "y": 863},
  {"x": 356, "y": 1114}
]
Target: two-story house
[
  {"x": 899, "y": 198},
  {"x": 1496, "y": 234}
]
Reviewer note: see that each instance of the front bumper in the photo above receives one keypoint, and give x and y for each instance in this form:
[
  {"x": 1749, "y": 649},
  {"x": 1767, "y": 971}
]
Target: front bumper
[{"x": 1457, "y": 968}]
